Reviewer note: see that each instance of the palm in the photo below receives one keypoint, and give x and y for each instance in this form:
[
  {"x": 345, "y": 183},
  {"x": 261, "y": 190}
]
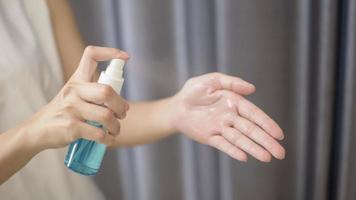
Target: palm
[
  {"x": 211, "y": 110},
  {"x": 202, "y": 110}
]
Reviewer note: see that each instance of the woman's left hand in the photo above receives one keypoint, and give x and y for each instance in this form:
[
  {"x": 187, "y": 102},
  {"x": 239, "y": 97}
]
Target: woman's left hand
[{"x": 212, "y": 109}]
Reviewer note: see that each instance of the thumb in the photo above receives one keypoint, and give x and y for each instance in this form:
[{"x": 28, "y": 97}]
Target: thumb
[
  {"x": 231, "y": 83},
  {"x": 91, "y": 56}
]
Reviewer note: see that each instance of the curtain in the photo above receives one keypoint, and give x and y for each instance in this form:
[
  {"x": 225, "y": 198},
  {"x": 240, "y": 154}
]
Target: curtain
[{"x": 300, "y": 54}]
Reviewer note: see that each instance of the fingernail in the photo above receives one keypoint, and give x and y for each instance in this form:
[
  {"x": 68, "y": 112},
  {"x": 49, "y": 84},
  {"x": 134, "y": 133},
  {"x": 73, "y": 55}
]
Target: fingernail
[
  {"x": 125, "y": 54},
  {"x": 283, "y": 154},
  {"x": 253, "y": 86},
  {"x": 122, "y": 116},
  {"x": 266, "y": 158},
  {"x": 282, "y": 157}
]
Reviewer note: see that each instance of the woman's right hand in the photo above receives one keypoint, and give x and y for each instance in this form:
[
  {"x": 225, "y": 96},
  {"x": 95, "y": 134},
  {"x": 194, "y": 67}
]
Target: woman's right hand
[{"x": 63, "y": 120}]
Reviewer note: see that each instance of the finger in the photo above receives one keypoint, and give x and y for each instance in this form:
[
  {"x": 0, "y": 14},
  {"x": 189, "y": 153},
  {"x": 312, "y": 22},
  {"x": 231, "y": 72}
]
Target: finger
[
  {"x": 255, "y": 133},
  {"x": 234, "y": 84},
  {"x": 89, "y": 132},
  {"x": 101, "y": 115},
  {"x": 251, "y": 112},
  {"x": 236, "y": 138},
  {"x": 223, "y": 145},
  {"x": 102, "y": 94},
  {"x": 93, "y": 54}
]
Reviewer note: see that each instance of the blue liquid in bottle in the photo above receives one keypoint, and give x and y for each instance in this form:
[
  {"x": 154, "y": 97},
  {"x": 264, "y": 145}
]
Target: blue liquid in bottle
[{"x": 85, "y": 156}]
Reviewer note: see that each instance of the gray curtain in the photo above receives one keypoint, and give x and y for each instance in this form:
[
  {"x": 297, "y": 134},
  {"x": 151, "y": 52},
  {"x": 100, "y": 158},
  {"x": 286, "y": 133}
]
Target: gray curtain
[{"x": 301, "y": 56}]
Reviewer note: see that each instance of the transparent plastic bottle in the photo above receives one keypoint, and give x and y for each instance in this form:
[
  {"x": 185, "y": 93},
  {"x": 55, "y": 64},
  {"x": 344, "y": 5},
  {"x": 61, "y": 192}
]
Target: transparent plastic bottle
[{"x": 85, "y": 156}]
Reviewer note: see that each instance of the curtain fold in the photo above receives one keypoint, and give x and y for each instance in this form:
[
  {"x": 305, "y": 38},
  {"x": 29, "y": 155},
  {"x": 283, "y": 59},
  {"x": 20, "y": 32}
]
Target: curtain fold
[
  {"x": 321, "y": 59},
  {"x": 300, "y": 55},
  {"x": 343, "y": 167}
]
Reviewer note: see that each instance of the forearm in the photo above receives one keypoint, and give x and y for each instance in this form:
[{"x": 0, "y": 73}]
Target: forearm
[
  {"x": 69, "y": 42},
  {"x": 146, "y": 122},
  {"x": 15, "y": 151}
]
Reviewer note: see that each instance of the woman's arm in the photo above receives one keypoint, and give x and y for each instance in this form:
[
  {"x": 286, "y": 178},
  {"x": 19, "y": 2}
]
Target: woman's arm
[
  {"x": 234, "y": 126},
  {"x": 16, "y": 148},
  {"x": 68, "y": 39},
  {"x": 150, "y": 115},
  {"x": 146, "y": 122}
]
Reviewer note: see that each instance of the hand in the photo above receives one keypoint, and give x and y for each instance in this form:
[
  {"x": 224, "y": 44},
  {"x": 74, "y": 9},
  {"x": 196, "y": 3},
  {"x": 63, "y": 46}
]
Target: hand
[
  {"x": 211, "y": 109},
  {"x": 63, "y": 120}
]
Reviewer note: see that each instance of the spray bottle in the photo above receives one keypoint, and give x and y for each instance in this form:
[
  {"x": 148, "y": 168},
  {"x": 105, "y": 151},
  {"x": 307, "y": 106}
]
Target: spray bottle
[{"x": 85, "y": 156}]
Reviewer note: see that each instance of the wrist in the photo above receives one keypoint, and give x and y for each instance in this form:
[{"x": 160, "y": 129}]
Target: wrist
[
  {"x": 171, "y": 112},
  {"x": 28, "y": 140},
  {"x": 166, "y": 106}
]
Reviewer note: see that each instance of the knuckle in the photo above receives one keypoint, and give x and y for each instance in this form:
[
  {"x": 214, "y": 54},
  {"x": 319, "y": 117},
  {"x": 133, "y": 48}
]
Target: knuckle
[
  {"x": 249, "y": 147},
  {"x": 98, "y": 133},
  {"x": 264, "y": 156},
  {"x": 114, "y": 51},
  {"x": 219, "y": 144},
  {"x": 211, "y": 142},
  {"x": 265, "y": 123},
  {"x": 114, "y": 128},
  {"x": 250, "y": 128},
  {"x": 106, "y": 92},
  {"x": 226, "y": 121},
  {"x": 67, "y": 107},
  {"x": 101, "y": 135},
  {"x": 61, "y": 114},
  {"x": 67, "y": 90},
  {"x": 252, "y": 111},
  {"x": 272, "y": 127},
  {"x": 192, "y": 80},
  {"x": 89, "y": 50},
  {"x": 107, "y": 115},
  {"x": 215, "y": 74},
  {"x": 237, "y": 139},
  {"x": 122, "y": 114},
  {"x": 238, "y": 79},
  {"x": 266, "y": 142}
]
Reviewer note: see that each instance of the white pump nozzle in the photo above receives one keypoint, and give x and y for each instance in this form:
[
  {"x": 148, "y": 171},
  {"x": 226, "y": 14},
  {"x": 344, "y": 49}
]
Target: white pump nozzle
[
  {"x": 113, "y": 75},
  {"x": 115, "y": 69}
]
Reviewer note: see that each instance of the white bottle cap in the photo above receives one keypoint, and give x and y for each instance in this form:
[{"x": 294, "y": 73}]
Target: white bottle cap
[
  {"x": 113, "y": 75},
  {"x": 115, "y": 68}
]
